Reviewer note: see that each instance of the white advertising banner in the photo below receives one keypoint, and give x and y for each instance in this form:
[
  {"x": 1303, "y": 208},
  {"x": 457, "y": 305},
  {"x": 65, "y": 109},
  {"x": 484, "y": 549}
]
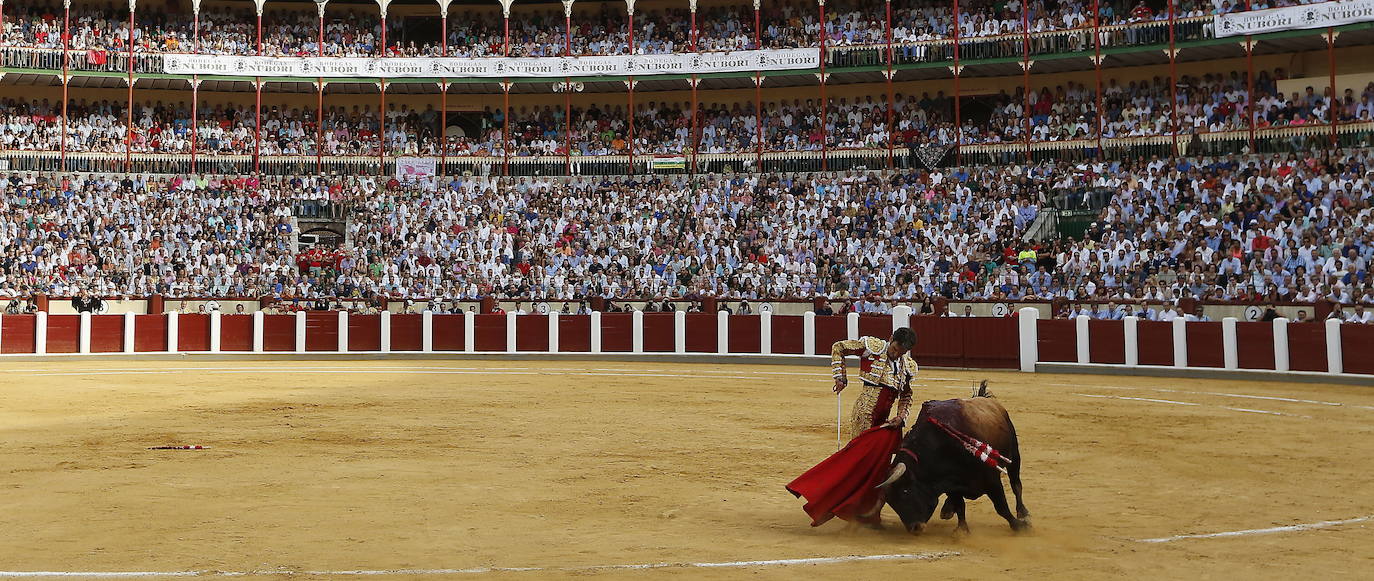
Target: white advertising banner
[
  {"x": 1319, "y": 15},
  {"x": 494, "y": 67},
  {"x": 408, "y": 168}
]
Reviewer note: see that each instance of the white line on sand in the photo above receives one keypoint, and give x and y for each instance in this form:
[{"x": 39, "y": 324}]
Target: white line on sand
[
  {"x": 481, "y": 570},
  {"x": 1270, "y": 530},
  {"x": 1136, "y": 399},
  {"x": 1248, "y": 410},
  {"x": 1217, "y": 393}
]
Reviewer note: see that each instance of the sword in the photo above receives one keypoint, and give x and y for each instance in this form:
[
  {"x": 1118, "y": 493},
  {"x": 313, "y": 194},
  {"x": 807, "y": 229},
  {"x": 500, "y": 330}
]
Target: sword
[{"x": 839, "y": 407}]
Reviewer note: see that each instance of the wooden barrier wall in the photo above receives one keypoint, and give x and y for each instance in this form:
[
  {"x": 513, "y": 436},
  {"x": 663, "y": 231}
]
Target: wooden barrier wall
[{"x": 986, "y": 343}]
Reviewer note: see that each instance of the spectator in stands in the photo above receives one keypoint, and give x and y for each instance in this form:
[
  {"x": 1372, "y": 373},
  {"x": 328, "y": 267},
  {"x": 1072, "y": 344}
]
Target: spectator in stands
[{"x": 1360, "y": 315}]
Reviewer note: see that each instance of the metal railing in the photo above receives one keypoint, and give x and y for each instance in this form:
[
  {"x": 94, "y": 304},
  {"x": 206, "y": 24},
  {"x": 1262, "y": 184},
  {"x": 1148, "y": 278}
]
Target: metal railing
[
  {"x": 1267, "y": 140},
  {"x": 1013, "y": 45}
]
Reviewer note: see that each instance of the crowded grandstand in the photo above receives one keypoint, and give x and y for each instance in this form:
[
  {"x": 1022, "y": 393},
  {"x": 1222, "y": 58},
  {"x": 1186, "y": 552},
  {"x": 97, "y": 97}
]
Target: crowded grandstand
[{"x": 1210, "y": 173}]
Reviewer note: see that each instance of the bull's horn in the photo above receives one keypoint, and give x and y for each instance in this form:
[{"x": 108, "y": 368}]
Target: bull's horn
[{"x": 897, "y": 472}]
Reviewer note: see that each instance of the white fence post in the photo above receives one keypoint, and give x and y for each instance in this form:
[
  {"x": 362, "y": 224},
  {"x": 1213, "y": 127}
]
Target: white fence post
[
  {"x": 510, "y": 332},
  {"x": 722, "y": 333},
  {"x": 300, "y": 331},
  {"x": 342, "y": 346},
  {"x": 766, "y": 333},
  {"x": 40, "y": 333},
  {"x": 469, "y": 332},
  {"x": 258, "y": 331},
  {"x": 83, "y": 340},
  {"x": 1081, "y": 339},
  {"x": 1029, "y": 334},
  {"x": 173, "y": 331},
  {"x": 809, "y": 333},
  {"x": 596, "y": 331},
  {"x": 852, "y": 326},
  {"x": 385, "y": 331},
  {"x": 1229, "y": 354},
  {"x": 215, "y": 325},
  {"x": 553, "y": 331},
  {"x": 901, "y": 317},
  {"x": 427, "y": 330},
  {"x": 637, "y": 331},
  {"x": 1280, "y": 344},
  {"x": 1131, "y": 330},
  {"x": 129, "y": 322},
  {"x": 1335, "y": 359},
  {"x": 679, "y": 331},
  {"x": 1180, "y": 329}
]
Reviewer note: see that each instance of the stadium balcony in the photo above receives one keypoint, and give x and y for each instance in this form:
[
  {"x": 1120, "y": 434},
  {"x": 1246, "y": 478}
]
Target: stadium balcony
[{"x": 965, "y": 67}]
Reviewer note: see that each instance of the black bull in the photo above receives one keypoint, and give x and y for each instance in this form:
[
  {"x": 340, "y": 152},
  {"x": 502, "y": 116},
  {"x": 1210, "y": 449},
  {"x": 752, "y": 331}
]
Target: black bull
[{"x": 931, "y": 462}]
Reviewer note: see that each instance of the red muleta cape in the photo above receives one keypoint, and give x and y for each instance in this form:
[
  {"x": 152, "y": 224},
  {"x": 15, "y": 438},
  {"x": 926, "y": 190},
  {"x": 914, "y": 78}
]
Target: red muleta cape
[{"x": 844, "y": 484}]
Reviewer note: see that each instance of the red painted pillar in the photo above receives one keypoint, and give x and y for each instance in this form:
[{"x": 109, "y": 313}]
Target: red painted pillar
[
  {"x": 443, "y": 93},
  {"x": 1331, "y": 104},
  {"x": 1173, "y": 77},
  {"x": 505, "y": 89},
  {"x": 825, "y": 103},
  {"x": 758, "y": 91},
  {"x": 129, "y": 111},
  {"x": 319, "y": 98},
  {"x": 257, "y": 108},
  {"x": 567, "y": 88},
  {"x": 66, "y": 55},
  {"x": 695, "y": 139},
  {"x": 1250, "y": 83},
  {"x": 887, "y": 25},
  {"x": 1097, "y": 70},
  {"x": 958, "y": 123},
  {"x": 381, "y": 106},
  {"x": 195, "y": 85},
  {"x": 1025, "y": 79},
  {"x": 630, "y": 84}
]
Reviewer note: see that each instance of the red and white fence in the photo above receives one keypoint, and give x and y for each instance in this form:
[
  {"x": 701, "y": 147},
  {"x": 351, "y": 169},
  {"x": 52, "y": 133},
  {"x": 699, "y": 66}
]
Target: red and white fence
[{"x": 979, "y": 342}]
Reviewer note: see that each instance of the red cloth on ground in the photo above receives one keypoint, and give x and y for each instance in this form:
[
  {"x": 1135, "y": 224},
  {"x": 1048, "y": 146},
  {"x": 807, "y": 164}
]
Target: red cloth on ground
[{"x": 843, "y": 484}]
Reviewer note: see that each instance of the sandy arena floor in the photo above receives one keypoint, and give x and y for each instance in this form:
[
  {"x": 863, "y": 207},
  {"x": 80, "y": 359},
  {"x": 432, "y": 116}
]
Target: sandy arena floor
[{"x": 569, "y": 467}]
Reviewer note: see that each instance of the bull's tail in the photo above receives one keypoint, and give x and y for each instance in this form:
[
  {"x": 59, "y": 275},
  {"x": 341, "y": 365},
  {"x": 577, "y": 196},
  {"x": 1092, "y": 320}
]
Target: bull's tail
[{"x": 982, "y": 390}]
